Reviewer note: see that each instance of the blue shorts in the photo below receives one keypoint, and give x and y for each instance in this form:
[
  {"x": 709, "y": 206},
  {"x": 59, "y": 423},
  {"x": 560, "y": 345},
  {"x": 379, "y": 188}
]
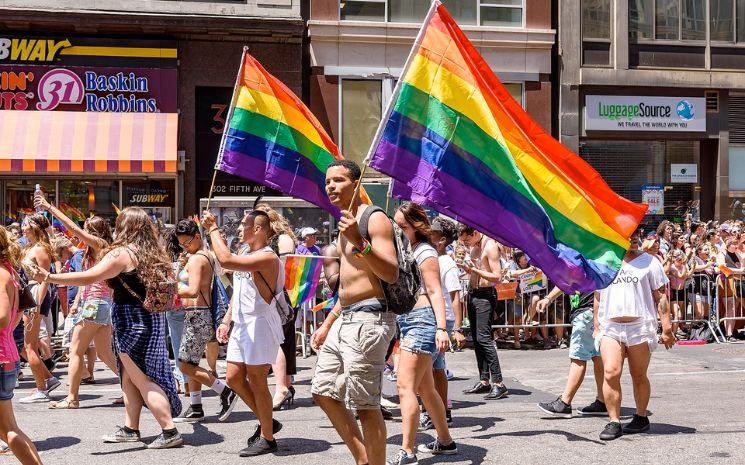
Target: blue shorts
[
  {"x": 438, "y": 360},
  {"x": 581, "y": 344},
  {"x": 418, "y": 329},
  {"x": 95, "y": 311},
  {"x": 8, "y": 379}
]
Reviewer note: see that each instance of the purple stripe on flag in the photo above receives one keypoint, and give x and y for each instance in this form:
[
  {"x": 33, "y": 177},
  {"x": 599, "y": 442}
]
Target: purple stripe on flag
[{"x": 437, "y": 189}]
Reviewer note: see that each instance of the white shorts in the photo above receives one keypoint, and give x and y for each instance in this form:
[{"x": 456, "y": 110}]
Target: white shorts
[
  {"x": 252, "y": 345},
  {"x": 629, "y": 334}
]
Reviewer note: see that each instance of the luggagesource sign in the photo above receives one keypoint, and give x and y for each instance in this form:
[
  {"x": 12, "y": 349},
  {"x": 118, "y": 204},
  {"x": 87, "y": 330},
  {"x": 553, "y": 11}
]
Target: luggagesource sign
[{"x": 644, "y": 113}]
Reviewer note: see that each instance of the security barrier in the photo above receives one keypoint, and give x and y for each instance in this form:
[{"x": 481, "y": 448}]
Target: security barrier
[
  {"x": 696, "y": 305},
  {"x": 731, "y": 305}
]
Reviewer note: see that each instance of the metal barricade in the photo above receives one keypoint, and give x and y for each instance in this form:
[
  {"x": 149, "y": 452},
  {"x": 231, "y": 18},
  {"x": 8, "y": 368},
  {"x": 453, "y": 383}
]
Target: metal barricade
[
  {"x": 304, "y": 331},
  {"x": 696, "y": 306},
  {"x": 731, "y": 301}
]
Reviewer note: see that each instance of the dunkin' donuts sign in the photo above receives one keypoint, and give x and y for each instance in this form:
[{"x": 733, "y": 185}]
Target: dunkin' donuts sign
[{"x": 87, "y": 89}]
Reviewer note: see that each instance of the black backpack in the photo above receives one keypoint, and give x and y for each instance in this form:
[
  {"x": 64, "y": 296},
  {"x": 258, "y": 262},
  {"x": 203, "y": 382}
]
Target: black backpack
[{"x": 402, "y": 295}]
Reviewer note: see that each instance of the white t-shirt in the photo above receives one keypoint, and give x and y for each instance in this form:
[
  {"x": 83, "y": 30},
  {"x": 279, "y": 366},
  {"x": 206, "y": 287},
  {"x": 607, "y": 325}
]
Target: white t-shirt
[
  {"x": 630, "y": 294},
  {"x": 450, "y": 283},
  {"x": 422, "y": 252}
]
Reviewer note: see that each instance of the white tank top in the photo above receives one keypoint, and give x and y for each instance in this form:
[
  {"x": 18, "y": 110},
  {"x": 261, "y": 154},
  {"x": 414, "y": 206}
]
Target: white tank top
[{"x": 250, "y": 303}]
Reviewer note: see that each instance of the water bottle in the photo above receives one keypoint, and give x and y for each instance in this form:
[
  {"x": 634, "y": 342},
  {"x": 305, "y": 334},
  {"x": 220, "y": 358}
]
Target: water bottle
[{"x": 38, "y": 191}]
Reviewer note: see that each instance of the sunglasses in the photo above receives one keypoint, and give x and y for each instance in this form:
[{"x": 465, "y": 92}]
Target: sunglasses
[{"x": 186, "y": 244}]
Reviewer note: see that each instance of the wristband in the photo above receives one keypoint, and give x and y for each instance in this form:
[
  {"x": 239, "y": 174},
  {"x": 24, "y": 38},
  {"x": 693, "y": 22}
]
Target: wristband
[
  {"x": 442, "y": 329},
  {"x": 336, "y": 315},
  {"x": 215, "y": 228},
  {"x": 458, "y": 331},
  {"x": 366, "y": 248}
]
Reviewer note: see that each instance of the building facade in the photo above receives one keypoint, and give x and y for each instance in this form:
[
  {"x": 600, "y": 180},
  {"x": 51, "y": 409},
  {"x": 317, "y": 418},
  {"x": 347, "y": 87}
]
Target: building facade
[
  {"x": 358, "y": 48},
  {"x": 110, "y": 104},
  {"x": 652, "y": 94}
]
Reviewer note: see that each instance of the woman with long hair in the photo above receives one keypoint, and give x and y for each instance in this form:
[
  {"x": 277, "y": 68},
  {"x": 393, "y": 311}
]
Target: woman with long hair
[
  {"x": 92, "y": 303},
  {"x": 423, "y": 334},
  {"x": 38, "y": 252},
  {"x": 135, "y": 265},
  {"x": 285, "y": 367},
  {"x": 10, "y": 433}
]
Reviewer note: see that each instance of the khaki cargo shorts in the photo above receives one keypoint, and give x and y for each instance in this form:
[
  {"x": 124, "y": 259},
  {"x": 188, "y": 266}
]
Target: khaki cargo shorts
[{"x": 351, "y": 362}]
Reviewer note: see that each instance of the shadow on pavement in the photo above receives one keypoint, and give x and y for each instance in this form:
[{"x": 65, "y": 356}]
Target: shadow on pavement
[
  {"x": 202, "y": 436},
  {"x": 483, "y": 424},
  {"x": 58, "y": 442},
  {"x": 665, "y": 428},
  {"x": 523, "y": 434},
  {"x": 301, "y": 446}
]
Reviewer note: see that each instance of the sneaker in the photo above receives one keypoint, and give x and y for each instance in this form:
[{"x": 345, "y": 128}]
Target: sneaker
[
  {"x": 392, "y": 377},
  {"x": 478, "y": 388},
  {"x": 449, "y": 416},
  {"x": 563, "y": 344},
  {"x": 161, "y": 442},
  {"x": 276, "y": 428},
  {"x": 387, "y": 414},
  {"x": 425, "y": 422},
  {"x": 122, "y": 435},
  {"x": 52, "y": 384},
  {"x": 637, "y": 425},
  {"x": 437, "y": 448},
  {"x": 497, "y": 392},
  {"x": 36, "y": 397},
  {"x": 611, "y": 431},
  {"x": 402, "y": 458},
  {"x": 259, "y": 446},
  {"x": 228, "y": 399},
  {"x": 596, "y": 408},
  {"x": 385, "y": 403},
  {"x": 449, "y": 375},
  {"x": 557, "y": 408},
  {"x": 193, "y": 414}
]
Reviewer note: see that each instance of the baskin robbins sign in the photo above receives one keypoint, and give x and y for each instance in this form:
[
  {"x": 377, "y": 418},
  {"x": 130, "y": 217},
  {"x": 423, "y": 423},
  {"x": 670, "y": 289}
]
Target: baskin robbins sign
[{"x": 644, "y": 113}]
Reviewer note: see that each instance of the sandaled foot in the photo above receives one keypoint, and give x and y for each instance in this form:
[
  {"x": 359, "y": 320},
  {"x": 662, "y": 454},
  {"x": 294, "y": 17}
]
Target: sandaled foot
[{"x": 65, "y": 404}]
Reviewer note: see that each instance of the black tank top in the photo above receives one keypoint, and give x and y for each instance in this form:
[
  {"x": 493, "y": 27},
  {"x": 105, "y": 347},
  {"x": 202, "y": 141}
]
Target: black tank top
[{"x": 121, "y": 295}]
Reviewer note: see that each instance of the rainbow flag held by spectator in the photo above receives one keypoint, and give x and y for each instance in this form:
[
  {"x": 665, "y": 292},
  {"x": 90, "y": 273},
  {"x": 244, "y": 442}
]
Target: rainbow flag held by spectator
[
  {"x": 454, "y": 139},
  {"x": 327, "y": 305},
  {"x": 271, "y": 137},
  {"x": 726, "y": 271},
  {"x": 302, "y": 276}
]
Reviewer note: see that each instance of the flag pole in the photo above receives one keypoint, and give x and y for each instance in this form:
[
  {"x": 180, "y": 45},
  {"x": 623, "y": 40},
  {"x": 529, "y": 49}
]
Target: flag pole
[
  {"x": 225, "y": 127},
  {"x": 396, "y": 91}
]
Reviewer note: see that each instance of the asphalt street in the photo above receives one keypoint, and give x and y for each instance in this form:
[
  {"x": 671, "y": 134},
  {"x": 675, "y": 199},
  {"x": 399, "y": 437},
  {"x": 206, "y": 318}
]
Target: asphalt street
[{"x": 697, "y": 414}]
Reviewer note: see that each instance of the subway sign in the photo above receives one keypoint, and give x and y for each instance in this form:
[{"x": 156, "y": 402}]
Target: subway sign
[
  {"x": 33, "y": 50},
  {"x": 644, "y": 113}
]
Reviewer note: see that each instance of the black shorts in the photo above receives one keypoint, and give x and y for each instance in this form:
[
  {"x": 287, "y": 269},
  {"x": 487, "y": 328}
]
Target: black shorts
[
  {"x": 677, "y": 295},
  {"x": 289, "y": 346}
]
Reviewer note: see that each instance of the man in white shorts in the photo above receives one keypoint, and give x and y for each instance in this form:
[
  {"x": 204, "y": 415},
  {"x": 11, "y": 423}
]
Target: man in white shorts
[
  {"x": 626, "y": 327},
  {"x": 258, "y": 282}
]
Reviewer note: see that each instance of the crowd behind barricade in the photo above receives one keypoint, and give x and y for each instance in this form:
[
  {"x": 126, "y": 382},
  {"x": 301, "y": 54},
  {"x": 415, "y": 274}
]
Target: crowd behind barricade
[{"x": 152, "y": 300}]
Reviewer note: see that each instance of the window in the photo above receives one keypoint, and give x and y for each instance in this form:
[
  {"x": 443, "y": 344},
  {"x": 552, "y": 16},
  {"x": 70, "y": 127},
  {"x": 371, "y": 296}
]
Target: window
[
  {"x": 740, "y": 20},
  {"x": 156, "y": 197},
  {"x": 693, "y": 20},
  {"x": 596, "y": 19},
  {"x": 737, "y": 168},
  {"x": 516, "y": 91},
  {"x": 96, "y": 197},
  {"x": 667, "y": 19},
  {"x": 721, "y": 21},
  {"x": 686, "y": 20},
  {"x": 361, "y": 110},
  {"x": 641, "y": 19},
  {"x": 500, "y": 13}
]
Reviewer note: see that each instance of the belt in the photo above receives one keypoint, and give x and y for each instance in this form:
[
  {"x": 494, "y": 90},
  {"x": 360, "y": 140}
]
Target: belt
[
  {"x": 373, "y": 302},
  {"x": 483, "y": 290}
]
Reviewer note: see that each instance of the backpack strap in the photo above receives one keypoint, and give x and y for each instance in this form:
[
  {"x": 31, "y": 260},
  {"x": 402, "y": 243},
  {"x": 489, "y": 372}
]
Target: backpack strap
[
  {"x": 365, "y": 220},
  {"x": 212, "y": 281}
]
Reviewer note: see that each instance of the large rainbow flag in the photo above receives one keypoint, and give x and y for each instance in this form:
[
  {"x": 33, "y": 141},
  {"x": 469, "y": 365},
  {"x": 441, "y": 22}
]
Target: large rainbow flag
[
  {"x": 302, "y": 276},
  {"x": 452, "y": 131},
  {"x": 273, "y": 138}
]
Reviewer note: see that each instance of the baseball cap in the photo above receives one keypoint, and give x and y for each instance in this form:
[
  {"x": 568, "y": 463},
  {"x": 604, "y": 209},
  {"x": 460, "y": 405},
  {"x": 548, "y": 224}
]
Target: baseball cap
[{"x": 307, "y": 232}]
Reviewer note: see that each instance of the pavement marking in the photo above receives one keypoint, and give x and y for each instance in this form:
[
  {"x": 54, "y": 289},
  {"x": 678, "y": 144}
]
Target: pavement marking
[{"x": 682, "y": 373}]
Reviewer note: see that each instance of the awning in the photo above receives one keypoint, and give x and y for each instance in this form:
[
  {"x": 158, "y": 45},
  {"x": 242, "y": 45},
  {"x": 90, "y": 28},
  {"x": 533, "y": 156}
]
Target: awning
[{"x": 87, "y": 142}]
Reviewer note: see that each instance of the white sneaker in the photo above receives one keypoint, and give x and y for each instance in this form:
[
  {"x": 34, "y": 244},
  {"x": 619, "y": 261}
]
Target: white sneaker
[
  {"x": 36, "y": 397},
  {"x": 387, "y": 403}
]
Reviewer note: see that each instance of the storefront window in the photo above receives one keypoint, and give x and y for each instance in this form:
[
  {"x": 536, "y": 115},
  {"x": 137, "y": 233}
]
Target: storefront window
[
  {"x": 737, "y": 167},
  {"x": 504, "y": 13},
  {"x": 89, "y": 197},
  {"x": 362, "y": 10},
  {"x": 19, "y": 197},
  {"x": 361, "y": 102},
  {"x": 596, "y": 19},
  {"x": 157, "y": 197}
]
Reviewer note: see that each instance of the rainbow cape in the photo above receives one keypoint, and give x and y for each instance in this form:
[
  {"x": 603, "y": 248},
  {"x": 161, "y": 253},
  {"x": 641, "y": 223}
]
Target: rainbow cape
[
  {"x": 455, "y": 140},
  {"x": 302, "y": 276},
  {"x": 273, "y": 138},
  {"x": 327, "y": 305}
]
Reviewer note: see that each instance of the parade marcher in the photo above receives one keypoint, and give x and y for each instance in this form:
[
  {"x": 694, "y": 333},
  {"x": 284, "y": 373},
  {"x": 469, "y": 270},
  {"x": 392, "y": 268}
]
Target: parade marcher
[
  {"x": 349, "y": 370},
  {"x": 92, "y": 322},
  {"x": 285, "y": 367},
  {"x": 485, "y": 269},
  {"x": 37, "y": 252},
  {"x": 424, "y": 335},
  {"x": 581, "y": 350},
  {"x": 626, "y": 327},
  {"x": 135, "y": 265},
  {"x": 256, "y": 334},
  {"x": 443, "y": 233},
  {"x": 10, "y": 433},
  {"x": 195, "y": 292}
]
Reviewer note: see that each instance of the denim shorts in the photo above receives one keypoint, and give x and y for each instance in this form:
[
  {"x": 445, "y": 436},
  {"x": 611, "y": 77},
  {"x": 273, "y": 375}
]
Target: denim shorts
[
  {"x": 95, "y": 311},
  {"x": 438, "y": 360},
  {"x": 418, "y": 329},
  {"x": 581, "y": 343},
  {"x": 8, "y": 380}
]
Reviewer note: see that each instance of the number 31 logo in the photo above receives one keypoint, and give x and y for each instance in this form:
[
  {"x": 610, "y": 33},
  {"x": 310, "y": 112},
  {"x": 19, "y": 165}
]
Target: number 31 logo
[{"x": 59, "y": 86}]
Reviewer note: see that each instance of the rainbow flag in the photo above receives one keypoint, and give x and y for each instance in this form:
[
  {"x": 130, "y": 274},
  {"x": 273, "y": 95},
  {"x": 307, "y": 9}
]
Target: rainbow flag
[
  {"x": 72, "y": 212},
  {"x": 302, "y": 276},
  {"x": 274, "y": 139},
  {"x": 327, "y": 305},
  {"x": 725, "y": 270},
  {"x": 452, "y": 131}
]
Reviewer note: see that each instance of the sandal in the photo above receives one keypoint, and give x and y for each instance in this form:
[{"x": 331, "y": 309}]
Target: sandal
[
  {"x": 65, "y": 404},
  {"x": 88, "y": 380},
  {"x": 119, "y": 400}
]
